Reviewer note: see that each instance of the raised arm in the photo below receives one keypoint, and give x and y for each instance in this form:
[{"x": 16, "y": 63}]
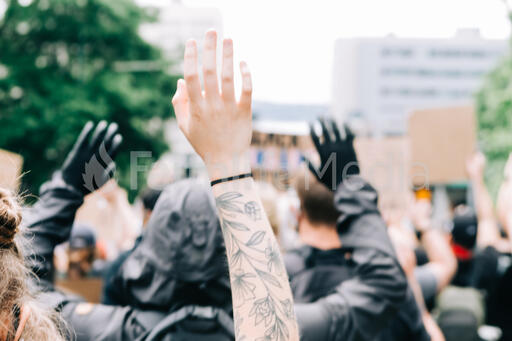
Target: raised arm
[
  {"x": 363, "y": 306},
  {"x": 488, "y": 233},
  {"x": 504, "y": 205},
  {"x": 219, "y": 129},
  {"x": 50, "y": 220},
  {"x": 442, "y": 262}
]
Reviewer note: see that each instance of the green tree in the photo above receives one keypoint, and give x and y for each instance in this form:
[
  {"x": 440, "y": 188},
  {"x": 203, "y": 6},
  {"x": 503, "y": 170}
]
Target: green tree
[
  {"x": 494, "y": 113},
  {"x": 63, "y": 63}
]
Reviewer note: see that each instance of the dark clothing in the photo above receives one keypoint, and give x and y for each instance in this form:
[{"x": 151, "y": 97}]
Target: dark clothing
[
  {"x": 181, "y": 258},
  {"x": 48, "y": 224},
  {"x": 111, "y": 295},
  {"x": 499, "y": 304},
  {"x": 373, "y": 301},
  {"x": 358, "y": 309},
  {"x": 480, "y": 272},
  {"x": 322, "y": 271},
  {"x": 490, "y": 271}
]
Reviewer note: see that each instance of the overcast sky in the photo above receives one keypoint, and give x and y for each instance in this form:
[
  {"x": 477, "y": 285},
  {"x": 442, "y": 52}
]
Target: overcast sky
[{"x": 289, "y": 43}]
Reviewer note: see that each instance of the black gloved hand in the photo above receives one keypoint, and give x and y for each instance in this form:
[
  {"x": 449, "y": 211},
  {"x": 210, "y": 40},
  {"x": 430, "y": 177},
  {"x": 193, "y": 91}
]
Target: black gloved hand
[
  {"x": 90, "y": 164},
  {"x": 337, "y": 156}
]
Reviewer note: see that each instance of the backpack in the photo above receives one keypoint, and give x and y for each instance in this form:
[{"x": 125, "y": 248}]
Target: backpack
[
  {"x": 187, "y": 323},
  {"x": 460, "y": 312},
  {"x": 309, "y": 281}
]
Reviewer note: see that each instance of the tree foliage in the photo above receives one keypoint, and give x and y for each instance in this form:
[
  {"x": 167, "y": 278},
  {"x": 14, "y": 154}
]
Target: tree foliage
[
  {"x": 494, "y": 113},
  {"x": 59, "y": 68}
]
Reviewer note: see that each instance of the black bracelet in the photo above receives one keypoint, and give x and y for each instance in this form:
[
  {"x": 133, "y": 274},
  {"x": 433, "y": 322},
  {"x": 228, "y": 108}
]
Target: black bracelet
[{"x": 231, "y": 178}]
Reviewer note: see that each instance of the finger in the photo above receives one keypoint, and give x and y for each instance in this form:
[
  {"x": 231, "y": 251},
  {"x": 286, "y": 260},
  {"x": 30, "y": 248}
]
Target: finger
[
  {"x": 109, "y": 136},
  {"x": 348, "y": 132},
  {"x": 228, "y": 87},
  {"x": 325, "y": 131},
  {"x": 115, "y": 146},
  {"x": 108, "y": 174},
  {"x": 83, "y": 139},
  {"x": 179, "y": 103},
  {"x": 335, "y": 130},
  {"x": 98, "y": 136},
  {"x": 190, "y": 71},
  {"x": 211, "y": 87},
  {"x": 314, "y": 136},
  {"x": 246, "y": 96}
]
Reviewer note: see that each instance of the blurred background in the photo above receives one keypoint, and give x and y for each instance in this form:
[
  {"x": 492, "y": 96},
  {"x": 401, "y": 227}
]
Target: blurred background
[{"x": 423, "y": 83}]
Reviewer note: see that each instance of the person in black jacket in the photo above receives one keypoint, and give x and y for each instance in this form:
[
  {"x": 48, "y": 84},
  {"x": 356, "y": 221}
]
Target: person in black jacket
[
  {"x": 49, "y": 222},
  {"x": 324, "y": 261}
]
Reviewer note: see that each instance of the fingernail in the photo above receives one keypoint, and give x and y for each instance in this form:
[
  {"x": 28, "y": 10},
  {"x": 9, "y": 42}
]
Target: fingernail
[
  {"x": 191, "y": 43},
  {"x": 244, "y": 67}
]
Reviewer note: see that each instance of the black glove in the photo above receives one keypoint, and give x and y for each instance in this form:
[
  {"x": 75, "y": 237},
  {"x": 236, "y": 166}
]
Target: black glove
[
  {"x": 337, "y": 156},
  {"x": 90, "y": 164}
]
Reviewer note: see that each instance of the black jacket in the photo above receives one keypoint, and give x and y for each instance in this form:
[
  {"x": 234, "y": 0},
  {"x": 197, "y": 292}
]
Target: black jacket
[
  {"x": 357, "y": 310},
  {"x": 373, "y": 301},
  {"x": 47, "y": 224}
]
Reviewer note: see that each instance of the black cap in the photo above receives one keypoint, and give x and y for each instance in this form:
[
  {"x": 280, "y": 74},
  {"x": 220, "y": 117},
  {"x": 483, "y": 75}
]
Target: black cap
[
  {"x": 82, "y": 236},
  {"x": 465, "y": 227}
]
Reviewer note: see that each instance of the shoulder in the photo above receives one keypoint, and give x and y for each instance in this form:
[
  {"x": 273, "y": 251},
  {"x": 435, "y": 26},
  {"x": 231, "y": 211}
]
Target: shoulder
[{"x": 295, "y": 259}]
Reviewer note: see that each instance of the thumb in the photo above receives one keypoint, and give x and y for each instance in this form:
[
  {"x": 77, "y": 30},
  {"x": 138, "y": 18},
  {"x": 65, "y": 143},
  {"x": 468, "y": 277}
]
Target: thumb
[{"x": 180, "y": 100}]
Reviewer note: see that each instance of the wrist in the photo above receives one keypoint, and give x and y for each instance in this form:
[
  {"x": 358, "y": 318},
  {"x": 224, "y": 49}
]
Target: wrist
[{"x": 226, "y": 166}]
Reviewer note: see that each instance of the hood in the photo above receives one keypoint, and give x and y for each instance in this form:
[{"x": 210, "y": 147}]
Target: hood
[{"x": 181, "y": 258}]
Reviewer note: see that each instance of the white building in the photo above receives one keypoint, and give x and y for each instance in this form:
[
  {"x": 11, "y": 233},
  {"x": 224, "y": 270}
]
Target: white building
[
  {"x": 377, "y": 81},
  {"x": 176, "y": 24}
]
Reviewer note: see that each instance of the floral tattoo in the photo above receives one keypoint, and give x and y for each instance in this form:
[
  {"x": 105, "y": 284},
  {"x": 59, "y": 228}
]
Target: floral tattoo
[{"x": 255, "y": 262}]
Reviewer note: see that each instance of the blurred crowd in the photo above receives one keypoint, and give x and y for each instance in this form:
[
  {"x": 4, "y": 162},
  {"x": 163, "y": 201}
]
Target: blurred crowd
[{"x": 159, "y": 271}]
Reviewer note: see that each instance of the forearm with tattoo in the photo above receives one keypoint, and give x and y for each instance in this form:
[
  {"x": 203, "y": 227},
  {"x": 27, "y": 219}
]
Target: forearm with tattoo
[{"x": 262, "y": 300}]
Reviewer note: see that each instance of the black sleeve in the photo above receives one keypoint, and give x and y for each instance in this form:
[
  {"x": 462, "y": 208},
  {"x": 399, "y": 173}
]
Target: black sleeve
[
  {"x": 365, "y": 304},
  {"x": 48, "y": 223},
  {"x": 86, "y": 321}
]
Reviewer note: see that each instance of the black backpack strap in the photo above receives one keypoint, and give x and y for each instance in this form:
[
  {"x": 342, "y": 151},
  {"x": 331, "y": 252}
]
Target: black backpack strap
[
  {"x": 210, "y": 313},
  {"x": 226, "y": 321},
  {"x": 148, "y": 319}
]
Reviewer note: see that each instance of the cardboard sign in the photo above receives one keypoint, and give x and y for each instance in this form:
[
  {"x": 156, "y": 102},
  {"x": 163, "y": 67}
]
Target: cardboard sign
[
  {"x": 384, "y": 163},
  {"x": 10, "y": 170},
  {"x": 441, "y": 142}
]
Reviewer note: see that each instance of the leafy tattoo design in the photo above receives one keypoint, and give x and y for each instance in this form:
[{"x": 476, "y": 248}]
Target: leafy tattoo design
[
  {"x": 263, "y": 310},
  {"x": 253, "y": 210},
  {"x": 227, "y": 202},
  {"x": 277, "y": 332},
  {"x": 273, "y": 259},
  {"x": 238, "y": 322},
  {"x": 288, "y": 308},
  {"x": 243, "y": 290},
  {"x": 255, "y": 259}
]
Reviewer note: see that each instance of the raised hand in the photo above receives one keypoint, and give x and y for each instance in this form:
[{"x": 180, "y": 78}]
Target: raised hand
[
  {"x": 90, "y": 164},
  {"x": 475, "y": 165},
  {"x": 218, "y": 127},
  {"x": 338, "y": 158}
]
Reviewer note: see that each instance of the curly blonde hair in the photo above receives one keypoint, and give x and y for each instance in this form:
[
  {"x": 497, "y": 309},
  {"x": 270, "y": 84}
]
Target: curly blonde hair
[{"x": 43, "y": 324}]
